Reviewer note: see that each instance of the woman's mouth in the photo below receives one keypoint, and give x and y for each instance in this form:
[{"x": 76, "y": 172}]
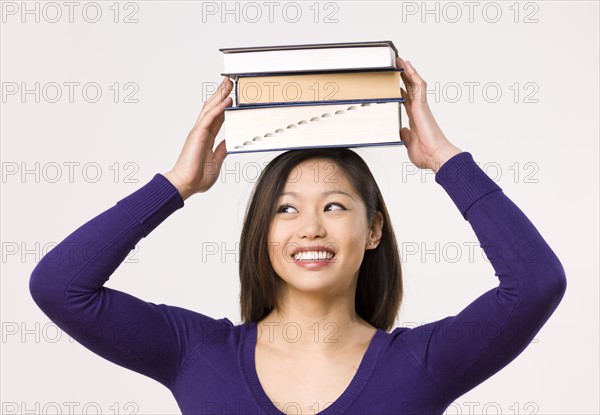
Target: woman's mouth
[{"x": 313, "y": 258}]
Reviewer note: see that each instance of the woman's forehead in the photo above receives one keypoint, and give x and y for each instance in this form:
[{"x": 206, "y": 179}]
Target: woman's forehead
[
  {"x": 318, "y": 170},
  {"x": 317, "y": 176}
]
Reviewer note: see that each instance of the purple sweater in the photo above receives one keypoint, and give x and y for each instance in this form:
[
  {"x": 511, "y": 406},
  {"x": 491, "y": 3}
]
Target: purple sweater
[{"x": 208, "y": 363}]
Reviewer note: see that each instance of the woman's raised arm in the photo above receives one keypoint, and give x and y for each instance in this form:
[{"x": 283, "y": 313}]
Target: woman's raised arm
[
  {"x": 461, "y": 351},
  {"x": 68, "y": 283}
]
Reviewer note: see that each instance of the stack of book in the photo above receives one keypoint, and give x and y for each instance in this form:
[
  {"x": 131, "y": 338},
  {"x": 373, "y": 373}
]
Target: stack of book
[{"x": 316, "y": 95}]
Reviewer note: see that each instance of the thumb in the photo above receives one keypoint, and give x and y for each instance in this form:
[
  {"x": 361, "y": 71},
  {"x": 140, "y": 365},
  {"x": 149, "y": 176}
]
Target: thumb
[
  {"x": 220, "y": 153},
  {"x": 405, "y": 135}
]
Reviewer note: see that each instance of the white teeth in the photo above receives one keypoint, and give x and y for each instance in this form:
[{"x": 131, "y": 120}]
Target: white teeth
[{"x": 313, "y": 255}]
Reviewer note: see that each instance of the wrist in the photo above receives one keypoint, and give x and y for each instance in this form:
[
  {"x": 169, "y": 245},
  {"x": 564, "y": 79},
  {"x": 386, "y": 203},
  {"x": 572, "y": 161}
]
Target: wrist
[
  {"x": 183, "y": 190},
  {"x": 443, "y": 155}
]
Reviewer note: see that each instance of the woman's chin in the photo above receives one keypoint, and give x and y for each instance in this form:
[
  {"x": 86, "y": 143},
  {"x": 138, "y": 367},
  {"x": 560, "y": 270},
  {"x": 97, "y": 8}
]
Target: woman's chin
[{"x": 310, "y": 282}]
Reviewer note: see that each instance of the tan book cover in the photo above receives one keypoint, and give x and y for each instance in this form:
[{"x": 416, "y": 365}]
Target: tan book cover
[{"x": 253, "y": 90}]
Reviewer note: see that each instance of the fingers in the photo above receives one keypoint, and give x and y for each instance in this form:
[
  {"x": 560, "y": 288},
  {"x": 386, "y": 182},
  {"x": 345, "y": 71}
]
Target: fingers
[
  {"x": 407, "y": 74},
  {"x": 203, "y": 134},
  {"x": 216, "y": 112},
  {"x": 408, "y": 105},
  {"x": 407, "y": 102},
  {"x": 405, "y": 78},
  {"x": 418, "y": 87},
  {"x": 210, "y": 124},
  {"x": 222, "y": 91},
  {"x": 219, "y": 96}
]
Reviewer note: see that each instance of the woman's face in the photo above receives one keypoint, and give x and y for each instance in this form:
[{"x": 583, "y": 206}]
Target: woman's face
[{"x": 318, "y": 236}]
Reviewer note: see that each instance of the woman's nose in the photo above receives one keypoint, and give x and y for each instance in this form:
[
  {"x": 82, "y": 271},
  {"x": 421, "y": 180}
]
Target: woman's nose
[{"x": 311, "y": 226}]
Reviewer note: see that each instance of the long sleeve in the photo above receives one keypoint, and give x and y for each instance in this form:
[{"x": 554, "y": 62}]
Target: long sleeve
[
  {"x": 461, "y": 351},
  {"x": 68, "y": 286}
]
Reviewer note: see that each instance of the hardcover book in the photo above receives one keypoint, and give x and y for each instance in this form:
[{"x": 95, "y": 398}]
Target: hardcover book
[
  {"x": 313, "y": 95},
  {"x": 310, "y": 57},
  {"x": 323, "y": 124},
  {"x": 289, "y": 87}
]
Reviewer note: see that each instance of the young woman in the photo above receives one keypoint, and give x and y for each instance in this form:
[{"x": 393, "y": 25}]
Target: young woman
[{"x": 320, "y": 285}]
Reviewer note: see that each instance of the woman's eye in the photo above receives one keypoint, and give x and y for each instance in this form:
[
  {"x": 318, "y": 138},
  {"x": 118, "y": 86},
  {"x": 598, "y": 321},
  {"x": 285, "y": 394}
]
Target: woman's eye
[
  {"x": 329, "y": 207},
  {"x": 334, "y": 206},
  {"x": 285, "y": 209}
]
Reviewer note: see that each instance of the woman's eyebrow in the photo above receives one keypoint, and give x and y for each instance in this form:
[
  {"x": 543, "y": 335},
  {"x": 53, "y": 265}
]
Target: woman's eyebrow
[{"x": 327, "y": 193}]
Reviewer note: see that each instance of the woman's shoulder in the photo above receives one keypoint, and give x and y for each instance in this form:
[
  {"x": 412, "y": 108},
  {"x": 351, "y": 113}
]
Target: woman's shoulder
[{"x": 195, "y": 325}]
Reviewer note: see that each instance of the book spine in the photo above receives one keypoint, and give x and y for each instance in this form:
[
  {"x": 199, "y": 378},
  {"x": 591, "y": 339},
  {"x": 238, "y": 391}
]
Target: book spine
[
  {"x": 235, "y": 90},
  {"x": 315, "y": 72}
]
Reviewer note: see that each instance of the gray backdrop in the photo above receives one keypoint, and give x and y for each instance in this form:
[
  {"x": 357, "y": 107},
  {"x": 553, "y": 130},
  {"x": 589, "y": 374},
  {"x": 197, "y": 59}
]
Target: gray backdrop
[{"x": 97, "y": 97}]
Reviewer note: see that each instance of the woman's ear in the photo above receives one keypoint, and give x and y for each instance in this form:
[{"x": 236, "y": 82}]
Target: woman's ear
[{"x": 375, "y": 231}]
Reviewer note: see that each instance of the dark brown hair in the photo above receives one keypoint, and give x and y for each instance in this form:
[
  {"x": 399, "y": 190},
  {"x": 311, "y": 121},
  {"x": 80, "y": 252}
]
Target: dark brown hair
[{"x": 379, "y": 286}]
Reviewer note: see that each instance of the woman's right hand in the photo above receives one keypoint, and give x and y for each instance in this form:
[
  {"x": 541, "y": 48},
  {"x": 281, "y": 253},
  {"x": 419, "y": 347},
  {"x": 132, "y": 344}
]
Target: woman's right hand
[
  {"x": 426, "y": 144},
  {"x": 198, "y": 166}
]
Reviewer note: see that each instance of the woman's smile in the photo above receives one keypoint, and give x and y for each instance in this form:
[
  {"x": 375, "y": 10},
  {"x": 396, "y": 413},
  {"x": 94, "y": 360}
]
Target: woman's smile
[{"x": 314, "y": 259}]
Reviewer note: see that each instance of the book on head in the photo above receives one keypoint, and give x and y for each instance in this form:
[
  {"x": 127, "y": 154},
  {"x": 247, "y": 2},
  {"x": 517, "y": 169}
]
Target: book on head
[
  {"x": 324, "y": 124},
  {"x": 291, "y": 87},
  {"x": 313, "y": 95},
  {"x": 310, "y": 57}
]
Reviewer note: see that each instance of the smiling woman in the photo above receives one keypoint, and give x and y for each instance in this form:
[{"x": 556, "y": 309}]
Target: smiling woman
[
  {"x": 320, "y": 199},
  {"x": 320, "y": 273}
]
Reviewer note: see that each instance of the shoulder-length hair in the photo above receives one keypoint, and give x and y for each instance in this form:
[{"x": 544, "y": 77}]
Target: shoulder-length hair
[{"x": 379, "y": 286}]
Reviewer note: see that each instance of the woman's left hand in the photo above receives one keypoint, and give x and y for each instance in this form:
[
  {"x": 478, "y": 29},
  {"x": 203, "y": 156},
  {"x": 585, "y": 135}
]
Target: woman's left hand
[{"x": 427, "y": 146}]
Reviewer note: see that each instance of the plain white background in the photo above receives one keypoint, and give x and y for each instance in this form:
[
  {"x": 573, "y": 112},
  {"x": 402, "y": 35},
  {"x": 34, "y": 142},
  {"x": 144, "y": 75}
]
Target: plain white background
[{"x": 515, "y": 84}]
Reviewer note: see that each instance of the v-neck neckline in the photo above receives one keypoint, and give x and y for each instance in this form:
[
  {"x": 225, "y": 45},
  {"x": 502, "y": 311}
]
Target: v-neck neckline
[{"x": 362, "y": 375}]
